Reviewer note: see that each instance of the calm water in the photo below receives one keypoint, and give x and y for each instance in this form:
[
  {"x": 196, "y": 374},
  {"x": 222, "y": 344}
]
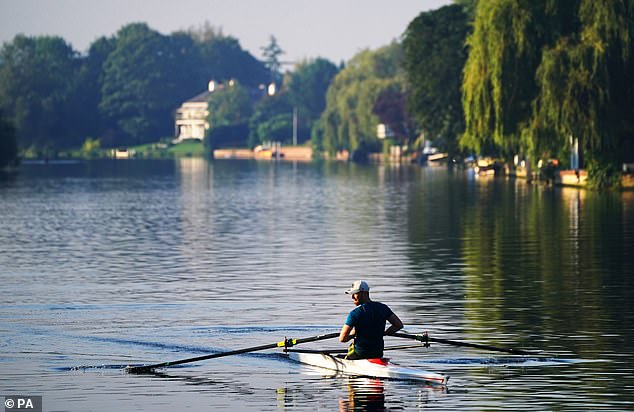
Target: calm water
[{"x": 115, "y": 263}]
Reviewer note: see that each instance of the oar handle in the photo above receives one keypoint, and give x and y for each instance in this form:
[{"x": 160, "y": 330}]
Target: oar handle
[
  {"x": 425, "y": 338},
  {"x": 284, "y": 343}
]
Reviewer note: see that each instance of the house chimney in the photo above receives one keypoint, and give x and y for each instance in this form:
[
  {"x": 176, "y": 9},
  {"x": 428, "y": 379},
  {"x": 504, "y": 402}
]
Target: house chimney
[{"x": 212, "y": 86}]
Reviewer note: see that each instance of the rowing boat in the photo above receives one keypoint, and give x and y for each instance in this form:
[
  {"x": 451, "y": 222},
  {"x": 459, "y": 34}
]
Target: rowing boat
[{"x": 375, "y": 368}]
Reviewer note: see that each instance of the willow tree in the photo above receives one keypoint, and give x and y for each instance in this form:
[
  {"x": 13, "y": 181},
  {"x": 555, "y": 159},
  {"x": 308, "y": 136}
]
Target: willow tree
[
  {"x": 541, "y": 72},
  {"x": 348, "y": 121},
  {"x": 586, "y": 86},
  {"x": 499, "y": 75}
]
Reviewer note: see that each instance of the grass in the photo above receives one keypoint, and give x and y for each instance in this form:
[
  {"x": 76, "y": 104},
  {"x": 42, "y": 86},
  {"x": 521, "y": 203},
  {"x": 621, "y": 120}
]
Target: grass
[{"x": 159, "y": 150}]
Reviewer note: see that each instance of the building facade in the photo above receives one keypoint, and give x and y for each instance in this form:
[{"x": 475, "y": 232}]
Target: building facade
[{"x": 191, "y": 117}]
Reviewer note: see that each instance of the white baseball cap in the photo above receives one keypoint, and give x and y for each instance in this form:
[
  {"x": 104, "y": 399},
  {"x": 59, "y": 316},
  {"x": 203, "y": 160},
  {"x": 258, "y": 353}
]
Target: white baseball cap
[{"x": 358, "y": 286}]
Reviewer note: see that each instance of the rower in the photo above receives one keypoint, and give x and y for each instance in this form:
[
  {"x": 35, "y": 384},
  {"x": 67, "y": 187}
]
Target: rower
[{"x": 366, "y": 324}]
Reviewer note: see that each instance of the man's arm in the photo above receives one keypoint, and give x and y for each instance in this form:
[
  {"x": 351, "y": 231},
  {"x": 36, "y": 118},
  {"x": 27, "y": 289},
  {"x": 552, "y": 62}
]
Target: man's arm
[
  {"x": 347, "y": 333},
  {"x": 395, "y": 325}
]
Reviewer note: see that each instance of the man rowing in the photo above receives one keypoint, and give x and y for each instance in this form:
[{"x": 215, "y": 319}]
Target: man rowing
[{"x": 366, "y": 324}]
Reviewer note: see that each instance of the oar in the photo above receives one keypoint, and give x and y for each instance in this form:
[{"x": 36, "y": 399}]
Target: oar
[
  {"x": 426, "y": 339},
  {"x": 282, "y": 344}
]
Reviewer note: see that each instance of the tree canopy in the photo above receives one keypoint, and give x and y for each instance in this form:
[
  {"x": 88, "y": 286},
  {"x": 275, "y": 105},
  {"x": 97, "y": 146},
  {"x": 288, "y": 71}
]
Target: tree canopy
[
  {"x": 37, "y": 78},
  {"x": 224, "y": 59},
  {"x": 271, "y": 53},
  {"x": 539, "y": 73},
  {"x": 307, "y": 85},
  {"x": 434, "y": 56},
  {"x": 348, "y": 121},
  {"x": 272, "y": 120},
  {"x": 229, "y": 105},
  {"x": 144, "y": 80}
]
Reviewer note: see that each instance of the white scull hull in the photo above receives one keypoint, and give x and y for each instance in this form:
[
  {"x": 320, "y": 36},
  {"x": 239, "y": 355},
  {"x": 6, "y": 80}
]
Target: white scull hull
[{"x": 376, "y": 368}]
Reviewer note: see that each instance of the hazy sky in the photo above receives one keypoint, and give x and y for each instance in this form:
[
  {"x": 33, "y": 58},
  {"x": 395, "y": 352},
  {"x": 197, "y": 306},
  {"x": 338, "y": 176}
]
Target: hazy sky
[{"x": 334, "y": 29}]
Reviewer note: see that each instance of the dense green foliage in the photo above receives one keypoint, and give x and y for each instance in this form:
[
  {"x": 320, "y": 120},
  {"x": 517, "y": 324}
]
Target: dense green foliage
[
  {"x": 8, "y": 143},
  {"x": 38, "y": 79},
  {"x": 229, "y": 105},
  {"x": 307, "y": 86},
  {"x": 390, "y": 107},
  {"x": 223, "y": 59},
  {"x": 349, "y": 121},
  {"x": 272, "y": 120},
  {"x": 541, "y": 72},
  {"x": 434, "y": 57},
  {"x": 233, "y": 135},
  {"x": 143, "y": 80},
  {"x": 586, "y": 85}
]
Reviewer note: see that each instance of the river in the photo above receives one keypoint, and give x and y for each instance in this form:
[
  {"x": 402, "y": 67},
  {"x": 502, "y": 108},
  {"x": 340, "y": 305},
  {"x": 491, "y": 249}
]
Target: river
[{"x": 109, "y": 263}]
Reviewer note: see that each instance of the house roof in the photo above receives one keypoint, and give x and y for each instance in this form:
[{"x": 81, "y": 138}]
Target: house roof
[{"x": 200, "y": 98}]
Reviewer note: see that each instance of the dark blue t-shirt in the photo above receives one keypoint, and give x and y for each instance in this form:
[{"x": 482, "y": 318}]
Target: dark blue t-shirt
[{"x": 368, "y": 321}]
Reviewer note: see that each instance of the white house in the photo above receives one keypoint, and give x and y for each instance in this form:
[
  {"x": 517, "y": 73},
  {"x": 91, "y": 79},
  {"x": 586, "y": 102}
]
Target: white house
[{"x": 191, "y": 118}]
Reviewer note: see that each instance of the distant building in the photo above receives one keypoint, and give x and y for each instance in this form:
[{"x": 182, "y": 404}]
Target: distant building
[
  {"x": 191, "y": 117},
  {"x": 123, "y": 153}
]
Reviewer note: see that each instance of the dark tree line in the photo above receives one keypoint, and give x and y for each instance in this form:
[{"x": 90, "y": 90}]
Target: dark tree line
[
  {"x": 122, "y": 91},
  {"x": 8, "y": 143}
]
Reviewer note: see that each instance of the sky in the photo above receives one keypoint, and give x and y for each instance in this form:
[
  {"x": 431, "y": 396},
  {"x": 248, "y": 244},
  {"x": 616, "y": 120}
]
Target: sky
[{"x": 333, "y": 29}]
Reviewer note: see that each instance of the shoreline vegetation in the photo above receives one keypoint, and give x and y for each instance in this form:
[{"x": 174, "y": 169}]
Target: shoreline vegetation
[
  {"x": 541, "y": 93},
  {"x": 485, "y": 168}
]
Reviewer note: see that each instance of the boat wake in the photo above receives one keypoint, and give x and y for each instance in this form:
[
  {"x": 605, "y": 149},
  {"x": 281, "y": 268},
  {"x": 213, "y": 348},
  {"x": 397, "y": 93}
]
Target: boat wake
[{"x": 505, "y": 361}]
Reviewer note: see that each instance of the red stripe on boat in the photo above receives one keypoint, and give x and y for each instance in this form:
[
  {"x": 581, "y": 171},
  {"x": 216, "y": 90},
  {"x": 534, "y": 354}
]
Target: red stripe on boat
[{"x": 379, "y": 361}]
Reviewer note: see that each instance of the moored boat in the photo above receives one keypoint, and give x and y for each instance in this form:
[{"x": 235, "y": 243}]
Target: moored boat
[{"x": 376, "y": 368}]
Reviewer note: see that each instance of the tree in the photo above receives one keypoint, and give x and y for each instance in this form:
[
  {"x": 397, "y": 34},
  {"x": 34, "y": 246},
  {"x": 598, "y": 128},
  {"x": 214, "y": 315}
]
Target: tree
[
  {"x": 499, "y": 75},
  {"x": 586, "y": 87},
  {"x": 229, "y": 105},
  {"x": 468, "y": 6},
  {"x": 348, "y": 121},
  {"x": 307, "y": 85},
  {"x": 272, "y": 120},
  {"x": 8, "y": 143},
  {"x": 271, "y": 54},
  {"x": 391, "y": 109},
  {"x": 235, "y": 135},
  {"x": 145, "y": 77},
  {"x": 224, "y": 59},
  {"x": 541, "y": 72},
  {"x": 434, "y": 56},
  {"x": 37, "y": 78},
  {"x": 84, "y": 102}
]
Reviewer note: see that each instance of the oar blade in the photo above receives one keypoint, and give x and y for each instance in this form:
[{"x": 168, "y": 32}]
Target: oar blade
[{"x": 139, "y": 370}]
